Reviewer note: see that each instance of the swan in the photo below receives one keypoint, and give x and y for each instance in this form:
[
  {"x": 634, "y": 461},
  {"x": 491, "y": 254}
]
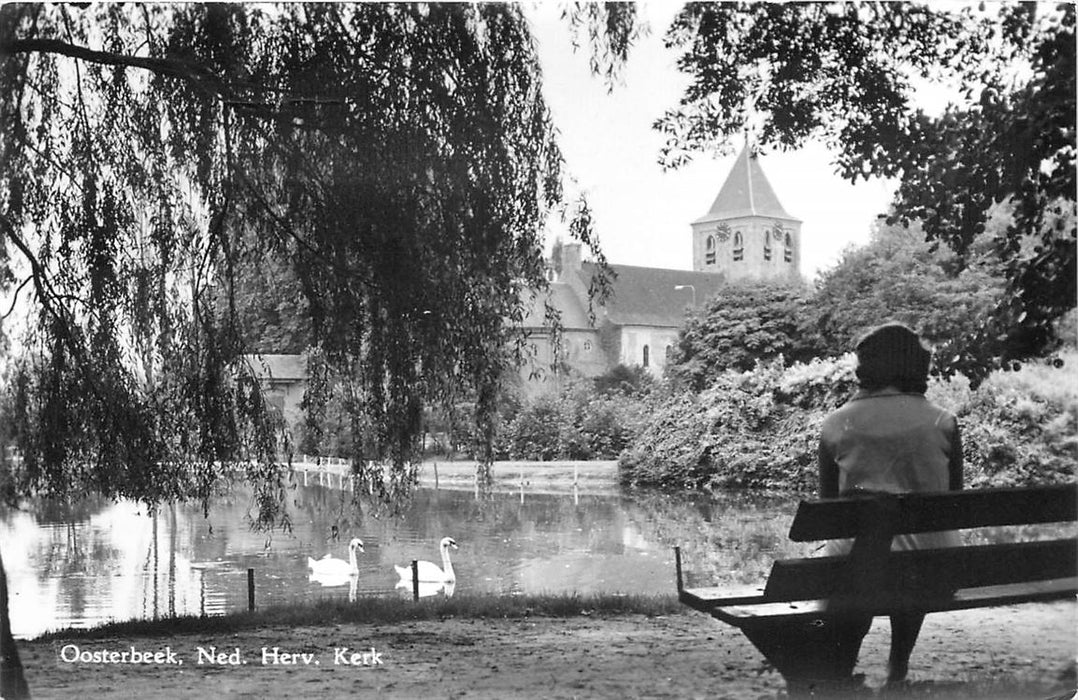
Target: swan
[
  {"x": 329, "y": 568},
  {"x": 428, "y": 570}
]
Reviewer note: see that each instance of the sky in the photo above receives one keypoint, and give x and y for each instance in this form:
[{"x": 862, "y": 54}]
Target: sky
[{"x": 641, "y": 214}]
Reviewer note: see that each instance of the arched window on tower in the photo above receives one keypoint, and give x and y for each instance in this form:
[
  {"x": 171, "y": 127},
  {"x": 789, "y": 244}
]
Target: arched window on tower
[
  {"x": 646, "y": 355},
  {"x": 767, "y": 246},
  {"x": 739, "y": 246},
  {"x": 709, "y": 251},
  {"x": 788, "y": 253}
]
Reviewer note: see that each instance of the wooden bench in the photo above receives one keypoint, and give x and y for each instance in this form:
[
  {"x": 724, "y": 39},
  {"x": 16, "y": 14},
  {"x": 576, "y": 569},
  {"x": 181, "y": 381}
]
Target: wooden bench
[{"x": 793, "y": 619}]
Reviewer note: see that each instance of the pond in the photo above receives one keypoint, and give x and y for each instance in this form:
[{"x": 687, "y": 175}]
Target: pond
[
  {"x": 80, "y": 566},
  {"x": 98, "y": 561}
]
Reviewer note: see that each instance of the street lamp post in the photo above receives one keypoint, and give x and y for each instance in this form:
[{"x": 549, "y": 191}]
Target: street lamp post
[{"x": 690, "y": 288}]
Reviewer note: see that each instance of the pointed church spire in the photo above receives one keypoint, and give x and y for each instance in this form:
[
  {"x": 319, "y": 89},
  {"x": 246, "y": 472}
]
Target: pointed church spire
[{"x": 747, "y": 191}]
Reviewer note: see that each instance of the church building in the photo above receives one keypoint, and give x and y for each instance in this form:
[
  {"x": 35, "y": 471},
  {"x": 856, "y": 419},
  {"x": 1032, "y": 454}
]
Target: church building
[{"x": 746, "y": 235}]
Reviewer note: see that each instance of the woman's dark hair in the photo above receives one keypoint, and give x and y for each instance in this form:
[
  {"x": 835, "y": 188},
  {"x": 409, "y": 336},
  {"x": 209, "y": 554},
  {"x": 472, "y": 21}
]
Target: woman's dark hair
[{"x": 892, "y": 355}]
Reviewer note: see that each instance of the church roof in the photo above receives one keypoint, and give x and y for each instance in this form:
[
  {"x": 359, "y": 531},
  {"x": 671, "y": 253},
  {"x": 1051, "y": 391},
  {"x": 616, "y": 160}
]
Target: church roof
[
  {"x": 746, "y": 192},
  {"x": 642, "y": 296},
  {"x": 574, "y": 313},
  {"x": 646, "y": 296}
]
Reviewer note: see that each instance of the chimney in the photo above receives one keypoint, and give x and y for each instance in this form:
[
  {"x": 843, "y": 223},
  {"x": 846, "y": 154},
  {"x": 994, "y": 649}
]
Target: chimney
[{"x": 570, "y": 258}]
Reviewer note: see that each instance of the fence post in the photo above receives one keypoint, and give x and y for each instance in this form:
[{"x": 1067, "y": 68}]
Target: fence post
[
  {"x": 250, "y": 589},
  {"x": 415, "y": 579}
]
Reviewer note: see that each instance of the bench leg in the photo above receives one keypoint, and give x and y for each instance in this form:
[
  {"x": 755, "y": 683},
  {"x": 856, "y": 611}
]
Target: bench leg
[{"x": 816, "y": 657}]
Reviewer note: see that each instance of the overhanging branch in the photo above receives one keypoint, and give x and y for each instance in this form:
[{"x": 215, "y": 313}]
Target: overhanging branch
[{"x": 232, "y": 93}]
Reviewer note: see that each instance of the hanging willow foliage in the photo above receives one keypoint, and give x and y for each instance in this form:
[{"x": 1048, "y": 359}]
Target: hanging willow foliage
[{"x": 398, "y": 162}]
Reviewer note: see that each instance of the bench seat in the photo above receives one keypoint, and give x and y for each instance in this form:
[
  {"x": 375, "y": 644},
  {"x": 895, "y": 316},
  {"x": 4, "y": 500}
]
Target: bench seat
[
  {"x": 705, "y": 599},
  {"x": 740, "y": 612}
]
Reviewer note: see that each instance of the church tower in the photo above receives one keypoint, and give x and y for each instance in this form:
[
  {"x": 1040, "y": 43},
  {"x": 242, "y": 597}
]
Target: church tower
[{"x": 747, "y": 235}]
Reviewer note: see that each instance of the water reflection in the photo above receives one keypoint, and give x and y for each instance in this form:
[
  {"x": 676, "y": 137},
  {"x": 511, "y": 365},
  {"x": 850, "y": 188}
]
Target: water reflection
[
  {"x": 99, "y": 560},
  {"x": 426, "y": 589}
]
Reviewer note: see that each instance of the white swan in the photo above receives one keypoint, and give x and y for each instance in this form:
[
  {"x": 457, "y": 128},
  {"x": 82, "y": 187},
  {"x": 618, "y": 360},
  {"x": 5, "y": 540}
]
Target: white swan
[
  {"x": 328, "y": 568},
  {"x": 428, "y": 570}
]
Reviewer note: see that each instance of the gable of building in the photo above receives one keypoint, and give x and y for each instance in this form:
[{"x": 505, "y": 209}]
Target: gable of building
[{"x": 562, "y": 297}]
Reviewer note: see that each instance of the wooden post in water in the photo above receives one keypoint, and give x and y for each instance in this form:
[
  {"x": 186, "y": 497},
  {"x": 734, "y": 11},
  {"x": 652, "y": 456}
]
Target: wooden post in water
[
  {"x": 250, "y": 589},
  {"x": 435, "y": 476},
  {"x": 677, "y": 567},
  {"x": 415, "y": 579}
]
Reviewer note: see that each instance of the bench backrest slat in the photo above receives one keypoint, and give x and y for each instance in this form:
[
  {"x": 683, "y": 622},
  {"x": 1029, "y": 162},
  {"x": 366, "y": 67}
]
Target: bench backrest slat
[
  {"x": 837, "y": 518},
  {"x": 960, "y": 567}
]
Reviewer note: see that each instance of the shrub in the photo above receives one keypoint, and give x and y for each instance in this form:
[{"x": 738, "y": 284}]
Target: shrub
[
  {"x": 760, "y": 428},
  {"x": 749, "y": 429},
  {"x": 622, "y": 379},
  {"x": 1021, "y": 428},
  {"x": 576, "y": 422}
]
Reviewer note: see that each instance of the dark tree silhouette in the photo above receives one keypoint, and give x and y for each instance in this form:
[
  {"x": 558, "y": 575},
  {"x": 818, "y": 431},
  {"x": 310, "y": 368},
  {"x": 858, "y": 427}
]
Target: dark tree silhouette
[{"x": 398, "y": 161}]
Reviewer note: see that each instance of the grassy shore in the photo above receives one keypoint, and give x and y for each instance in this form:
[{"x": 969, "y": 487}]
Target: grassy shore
[{"x": 375, "y": 610}]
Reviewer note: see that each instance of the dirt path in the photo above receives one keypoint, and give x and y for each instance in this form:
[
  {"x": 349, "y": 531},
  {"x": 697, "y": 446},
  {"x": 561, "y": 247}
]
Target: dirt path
[{"x": 1016, "y": 652}]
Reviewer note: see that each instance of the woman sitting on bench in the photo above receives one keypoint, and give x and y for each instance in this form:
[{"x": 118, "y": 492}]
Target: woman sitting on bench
[{"x": 889, "y": 439}]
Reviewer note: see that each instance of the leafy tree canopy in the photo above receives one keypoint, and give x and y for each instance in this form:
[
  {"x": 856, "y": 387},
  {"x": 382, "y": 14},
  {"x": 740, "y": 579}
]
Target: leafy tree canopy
[
  {"x": 740, "y": 325},
  {"x": 899, "y": 276},
  {"x": 397, "y": 160},
  {"x": 848, "y": 73}
]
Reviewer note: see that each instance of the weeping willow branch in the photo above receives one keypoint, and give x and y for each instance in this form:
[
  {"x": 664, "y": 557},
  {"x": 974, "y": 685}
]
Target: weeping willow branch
[
  {"x": 15, "y": 298},
  {"x": 192, "y": 73},
  {"x": 46, "y": 294}
]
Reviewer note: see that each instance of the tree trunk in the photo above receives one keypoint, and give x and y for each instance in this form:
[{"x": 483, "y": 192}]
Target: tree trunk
[{"x": 12, "y": 682}]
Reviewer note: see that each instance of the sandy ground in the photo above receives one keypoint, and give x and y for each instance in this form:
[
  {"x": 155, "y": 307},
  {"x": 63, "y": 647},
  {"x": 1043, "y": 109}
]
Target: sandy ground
[{"x": 1015, "y": 652}]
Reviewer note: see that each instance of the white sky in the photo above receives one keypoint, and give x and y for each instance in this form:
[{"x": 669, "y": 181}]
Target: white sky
[{"x": 641, "y": 214}]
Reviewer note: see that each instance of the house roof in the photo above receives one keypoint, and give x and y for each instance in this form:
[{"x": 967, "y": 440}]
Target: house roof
[
  {"x": 746, "y": 192},
  {"x": 646, "y": 296},
  {"x": 279, "y": 367}
]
